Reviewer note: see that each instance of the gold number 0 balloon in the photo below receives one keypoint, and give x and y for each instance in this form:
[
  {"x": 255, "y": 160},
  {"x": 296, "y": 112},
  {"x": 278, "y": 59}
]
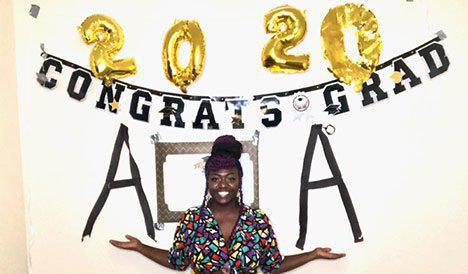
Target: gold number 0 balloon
[
  {"x": 183, "y": 31},
  {"x": 109, "y": 39},
  {"x": 290, "y": 26},
  {"x": 369, "y": 43}
]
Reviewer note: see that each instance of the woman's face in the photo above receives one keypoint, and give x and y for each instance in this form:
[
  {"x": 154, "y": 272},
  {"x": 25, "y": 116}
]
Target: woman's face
[{"x": 223, "y": 185}]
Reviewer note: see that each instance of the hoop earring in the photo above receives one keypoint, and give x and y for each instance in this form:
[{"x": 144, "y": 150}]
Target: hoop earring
[{"x": 207, "y": 198}]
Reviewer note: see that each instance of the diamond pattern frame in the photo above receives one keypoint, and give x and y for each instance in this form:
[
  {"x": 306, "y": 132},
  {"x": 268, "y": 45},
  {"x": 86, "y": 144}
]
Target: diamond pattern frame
[{"x": 163, "y": 149}]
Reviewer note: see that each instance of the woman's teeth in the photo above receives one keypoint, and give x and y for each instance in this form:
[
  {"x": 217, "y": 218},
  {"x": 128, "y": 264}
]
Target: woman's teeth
[{"x": 223, "y": 193}]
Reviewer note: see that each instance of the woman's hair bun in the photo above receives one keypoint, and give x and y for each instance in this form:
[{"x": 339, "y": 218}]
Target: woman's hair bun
[{"x": 227, "y": 145}]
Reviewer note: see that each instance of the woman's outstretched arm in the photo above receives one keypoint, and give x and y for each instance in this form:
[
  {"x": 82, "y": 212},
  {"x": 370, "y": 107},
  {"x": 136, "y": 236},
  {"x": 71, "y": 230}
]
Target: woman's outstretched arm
[
  {"x": 293, "y": 261},
  {"x": 155, "y": 254}
]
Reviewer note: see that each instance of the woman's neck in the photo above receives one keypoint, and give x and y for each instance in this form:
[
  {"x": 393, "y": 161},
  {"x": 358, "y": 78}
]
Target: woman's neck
[{"x": 229, "y": 207}]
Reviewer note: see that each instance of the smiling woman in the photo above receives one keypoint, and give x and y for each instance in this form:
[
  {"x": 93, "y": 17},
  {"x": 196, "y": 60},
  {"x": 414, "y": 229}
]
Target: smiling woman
[{"x": 224, "y": 235}]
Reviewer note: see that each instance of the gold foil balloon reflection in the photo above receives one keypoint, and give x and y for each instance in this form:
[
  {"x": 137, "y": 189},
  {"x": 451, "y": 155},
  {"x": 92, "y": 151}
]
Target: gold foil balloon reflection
[
  {"x": 369, "y": 43},
  {"x": 183, "y": 31},
  {"x": 289, "y": 26},
  {"x": 109, "y": 39}
]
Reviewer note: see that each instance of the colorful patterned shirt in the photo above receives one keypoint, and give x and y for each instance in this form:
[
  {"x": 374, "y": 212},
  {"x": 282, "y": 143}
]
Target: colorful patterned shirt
[{"x": 200, "y": 243}]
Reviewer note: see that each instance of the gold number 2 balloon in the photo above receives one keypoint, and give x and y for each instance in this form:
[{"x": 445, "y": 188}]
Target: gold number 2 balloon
[
  {"x": 290, "y": 26},
  {"x": 369, "y": 43},
  {"x": 182, "y": 31},
  {"x": 109, "y": 39}
]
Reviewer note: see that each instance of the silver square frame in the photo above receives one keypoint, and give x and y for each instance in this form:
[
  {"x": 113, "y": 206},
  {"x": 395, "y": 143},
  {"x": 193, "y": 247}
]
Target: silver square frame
[{"x": 163, "y": 149}]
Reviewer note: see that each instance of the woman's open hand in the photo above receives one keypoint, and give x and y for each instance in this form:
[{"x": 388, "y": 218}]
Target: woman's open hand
[
  {"x": 325, "y": 253},
  {"x": 292, "y": 261},
  {"x": 132, "y": 244},
  {"x": 160, "y": 256}
]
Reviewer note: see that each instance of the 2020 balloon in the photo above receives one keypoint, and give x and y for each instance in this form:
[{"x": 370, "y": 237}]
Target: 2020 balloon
[
  {"x": 183, "y": 31},
  {"x": 289, "y": 26},
  {"x": 109, "y": 39},
  {"x": 353, "y": 73},
  {"x": 287, "y": 23}
]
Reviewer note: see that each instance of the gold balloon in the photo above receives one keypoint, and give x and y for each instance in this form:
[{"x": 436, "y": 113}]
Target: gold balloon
[
  {"x": 182, "y": 31},
  {"x": 290, "y": 26},
  {"x": 109, "y": 39},
  {"x": 369, "y": 43}
]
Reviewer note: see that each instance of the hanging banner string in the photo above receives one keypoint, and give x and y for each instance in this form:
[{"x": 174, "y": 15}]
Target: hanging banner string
[{"x": 440, "y": 36}]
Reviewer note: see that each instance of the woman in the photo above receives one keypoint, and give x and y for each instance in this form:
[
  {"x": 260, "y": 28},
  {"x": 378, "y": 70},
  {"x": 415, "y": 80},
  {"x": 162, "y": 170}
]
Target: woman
[{"x": 200, "y": 241}]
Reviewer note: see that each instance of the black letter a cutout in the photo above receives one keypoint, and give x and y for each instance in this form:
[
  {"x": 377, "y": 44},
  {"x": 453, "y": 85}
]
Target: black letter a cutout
[
  {"x": 111, "y": 184},
  {"x": 336, "y": 180}
]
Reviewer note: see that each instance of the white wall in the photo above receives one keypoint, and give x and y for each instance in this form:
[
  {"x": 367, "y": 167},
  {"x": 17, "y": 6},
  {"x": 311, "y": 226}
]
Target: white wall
[
  {"x": 12, "y": 226},
  {"x": 404, "y": 159}
]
